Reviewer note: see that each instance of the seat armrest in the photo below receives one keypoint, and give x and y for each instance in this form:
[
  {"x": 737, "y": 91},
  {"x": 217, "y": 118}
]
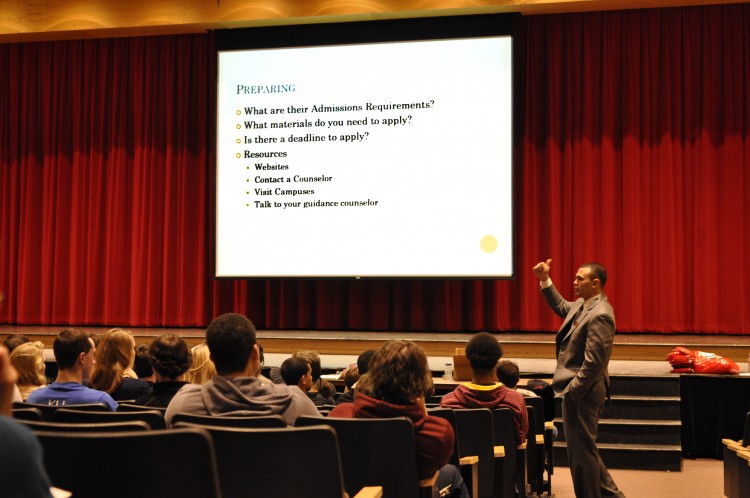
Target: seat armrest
[
  {"x": 523, "y": 445},
  {"x": 430, "y": 481},
  {"x": 370, "y": 492},
  {"x": 539, "y": 439},
  {"x": 473, "y": 462},
  {"x": 499, "y": 451}
]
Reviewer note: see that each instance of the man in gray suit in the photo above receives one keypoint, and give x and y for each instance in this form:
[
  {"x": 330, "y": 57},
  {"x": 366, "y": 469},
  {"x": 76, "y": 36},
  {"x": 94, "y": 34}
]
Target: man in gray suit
[{"x": 584, "y": 346}]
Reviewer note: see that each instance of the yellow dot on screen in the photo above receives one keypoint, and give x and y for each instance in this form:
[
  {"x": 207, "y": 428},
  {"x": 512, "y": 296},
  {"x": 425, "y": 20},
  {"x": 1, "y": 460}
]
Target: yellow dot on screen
[{"x": 488, "y": 243}]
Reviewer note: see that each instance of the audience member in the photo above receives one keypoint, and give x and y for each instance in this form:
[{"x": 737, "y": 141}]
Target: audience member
[
  {"x": 14, "y": 340},
  {"x": 22, "y": 473},
  {"x": 74, "y": 353},
  {"x": 202, "y": 368},
  {"x": 260, "y": 375},
  {"x": 363, "y": 366},
  {"x": 484, "y": 390},
  {"x": 170, "y": 358},
  {"x": 142, "y": 365},
  {"x": 28, "y": 360},
  {"x": 297, "y": 372},
  {"x": 395, "y": 386},
  {"x": 113, "y": 371},
  {"x": 509, "y": 374},
  {"x": 235, "y": 390},
  {"x": 351, "y": 377}
]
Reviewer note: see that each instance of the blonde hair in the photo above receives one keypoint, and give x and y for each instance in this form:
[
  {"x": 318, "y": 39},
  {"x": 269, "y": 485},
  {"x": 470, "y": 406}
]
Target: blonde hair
[
  {"x": 202, "y": 368},
  {"x": 114, "y": 360},
  {"x": 28, "y": 359}
]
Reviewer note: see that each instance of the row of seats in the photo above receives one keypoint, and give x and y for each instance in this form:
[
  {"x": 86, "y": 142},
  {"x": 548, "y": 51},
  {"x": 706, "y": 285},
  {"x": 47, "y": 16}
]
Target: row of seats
[
  {"x": 493, "y": 466},
  {"x": 737, "y": 464}
]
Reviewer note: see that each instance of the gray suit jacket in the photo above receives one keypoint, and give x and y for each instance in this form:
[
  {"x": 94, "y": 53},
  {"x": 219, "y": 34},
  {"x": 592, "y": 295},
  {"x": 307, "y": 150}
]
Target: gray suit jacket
[{"x": 583, "y": 347}]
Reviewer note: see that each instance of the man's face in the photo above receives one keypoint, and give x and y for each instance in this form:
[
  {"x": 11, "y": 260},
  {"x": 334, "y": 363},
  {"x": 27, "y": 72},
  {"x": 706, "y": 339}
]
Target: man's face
[
  {"x": 584, "y": 286},
  {"x": 88, "y": 361}
]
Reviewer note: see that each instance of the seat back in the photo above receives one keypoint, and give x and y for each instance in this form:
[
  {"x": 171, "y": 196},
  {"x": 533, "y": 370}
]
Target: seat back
[
  {"x": 27, "y": 414},
  {"x": 269, "y": 421},
  {"x": 49, "y": 410},
  {"x": 129, "y": 426},
  {"x": 746, "y": 434},
  {"x": 504, "y": 431},
  {"x": 474, "y": 435},
  {"x": 448, "y": 415},
  {"x": 375, "y": 452},
  {"x": 306, "y": 461},
  {"x": 130, "y": 407},
  {"x": 148, "y": 464},
  {"x": 153, "y": 418},
  {"x": 535, "y": 447}
]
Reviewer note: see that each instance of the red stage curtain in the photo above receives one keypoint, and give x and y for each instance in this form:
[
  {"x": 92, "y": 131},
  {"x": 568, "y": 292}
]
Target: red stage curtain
[{"x": 632, "y": 145}]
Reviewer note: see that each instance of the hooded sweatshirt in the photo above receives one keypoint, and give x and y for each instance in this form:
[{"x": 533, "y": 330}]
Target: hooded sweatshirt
[
  {"x": 470, "y": 395},
  {"x": 241, "y": 396},
  {"x": 433, "y": 436}
]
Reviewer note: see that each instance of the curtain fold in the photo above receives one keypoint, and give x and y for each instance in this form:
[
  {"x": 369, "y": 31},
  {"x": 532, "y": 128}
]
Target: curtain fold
[{"x": 631, "y": 149}]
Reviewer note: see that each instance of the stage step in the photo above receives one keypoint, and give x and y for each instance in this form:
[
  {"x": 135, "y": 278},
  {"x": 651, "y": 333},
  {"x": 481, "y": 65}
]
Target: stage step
[
  {"x": 631, "y": 456},
  {"x": 640, "y": 425}
]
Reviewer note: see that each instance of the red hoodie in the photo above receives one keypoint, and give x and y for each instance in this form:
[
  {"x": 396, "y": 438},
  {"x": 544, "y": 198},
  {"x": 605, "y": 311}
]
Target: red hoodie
[
  {"x": 433, "y": 436},
  {"x": 496, "y": 396}
]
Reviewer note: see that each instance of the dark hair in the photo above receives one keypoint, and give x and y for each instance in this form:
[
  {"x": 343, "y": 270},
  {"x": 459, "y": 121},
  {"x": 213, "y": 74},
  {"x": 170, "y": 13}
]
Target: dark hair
[
  {"x": 507, "y": 373},
  {"x": 230, "y": 338},
  {"x": 13, "y": 341},
  {"x": 363, "y": 361},
  {"x": 597, "y": 271},
  {"x": 326, "y": 389},
  {"x": 313, "y": 359},
  {"x": 169, "y": 355},
  {"x": 483, "y": 351},
  {"x": 141, "y": 364},
  {"x": 293, "y": 369},
  {"x": 398, "y": 372},
  {"x": 68, "y": 346}
]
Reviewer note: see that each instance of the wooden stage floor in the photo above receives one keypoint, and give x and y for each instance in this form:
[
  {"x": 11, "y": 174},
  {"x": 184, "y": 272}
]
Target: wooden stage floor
[{"x": 516, "y": 345}]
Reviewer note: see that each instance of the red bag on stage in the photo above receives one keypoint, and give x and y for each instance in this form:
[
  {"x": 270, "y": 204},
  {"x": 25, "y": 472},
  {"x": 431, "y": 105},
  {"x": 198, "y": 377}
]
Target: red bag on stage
[{"x": 683, "y": 360}]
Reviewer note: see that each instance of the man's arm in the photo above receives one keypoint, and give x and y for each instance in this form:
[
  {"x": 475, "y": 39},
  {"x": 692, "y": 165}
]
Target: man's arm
[
  {"x": 8, "y": 377},
  {"x": 558, "y": 304}
]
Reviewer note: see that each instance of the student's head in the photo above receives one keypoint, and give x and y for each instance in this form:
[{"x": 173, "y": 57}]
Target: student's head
[
  {"x": 114, "y": 358},
  {"x": 313, "y": 359},
  {"x": 399, "y": 372},
  {"x": 363, "y": 361},
  {"x": 71, "y": 348},
  {"x": 142, "y": 365},
  {"x": 201, "y": 367},
  {"x": 297, "y": 371},
  {"x": 231, "y": 341},
  {"x": 508, "y": 374},
  {"x": 351, "y": 377},
  {"x": 483, "y": 352},
  {"x": 28, "y": 358},
  {"x": 169, "y": 356},
  {"x": 14, "y": 340}
]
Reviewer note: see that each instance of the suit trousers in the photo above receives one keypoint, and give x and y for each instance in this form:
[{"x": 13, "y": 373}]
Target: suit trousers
[{"x": 591, "y": 478}]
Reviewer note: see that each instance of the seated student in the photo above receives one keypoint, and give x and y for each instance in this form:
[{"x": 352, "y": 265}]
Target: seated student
[
  {"x": 14, "y": 340},
  {"x": 484, "y": 391},
  {"x": 142, "y": 365},
  {"x": 235, "y": 390},
  {"x": 28, "y": 360},
  {"x": 202, "y": 369},
  {"x": 22, "y": 473},
  {"x": 363, "y": 366},
  {"x": 297, "y": 372},
  {"x": 509, "y": 374},
  {"x": 169, "y": 357},
  {"x": 113, "y": 372},
  {"x": 395, "y": 386},
  {"x": 74, "y": 353},
  {"x": 321, "y": 392}
]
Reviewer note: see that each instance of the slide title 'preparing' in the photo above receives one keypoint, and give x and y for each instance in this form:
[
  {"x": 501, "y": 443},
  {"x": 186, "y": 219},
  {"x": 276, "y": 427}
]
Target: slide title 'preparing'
[{"x": 252, "y": 89}]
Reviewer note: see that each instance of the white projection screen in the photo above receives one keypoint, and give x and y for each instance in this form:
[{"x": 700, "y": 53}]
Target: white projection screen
[{"x": 366, "y": 150}]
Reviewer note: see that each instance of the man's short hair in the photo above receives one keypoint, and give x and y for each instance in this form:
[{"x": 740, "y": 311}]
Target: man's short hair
[
  {"x": 230, "y": 339},
  {"x": 14, "y": 340},
  {"x": 363, "y": 361},
  {"x": 313, "y": 359},
  {"x": 68, "y": 346},
  {"x": 508, "y": 374},
  {"x": 483, "y": 351},
  {"x": 597, "y": 271},
  {"x": 141, "y": 364},
  {"x": 293, "y": 369},
  {"x": 169, "y": 355}
]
